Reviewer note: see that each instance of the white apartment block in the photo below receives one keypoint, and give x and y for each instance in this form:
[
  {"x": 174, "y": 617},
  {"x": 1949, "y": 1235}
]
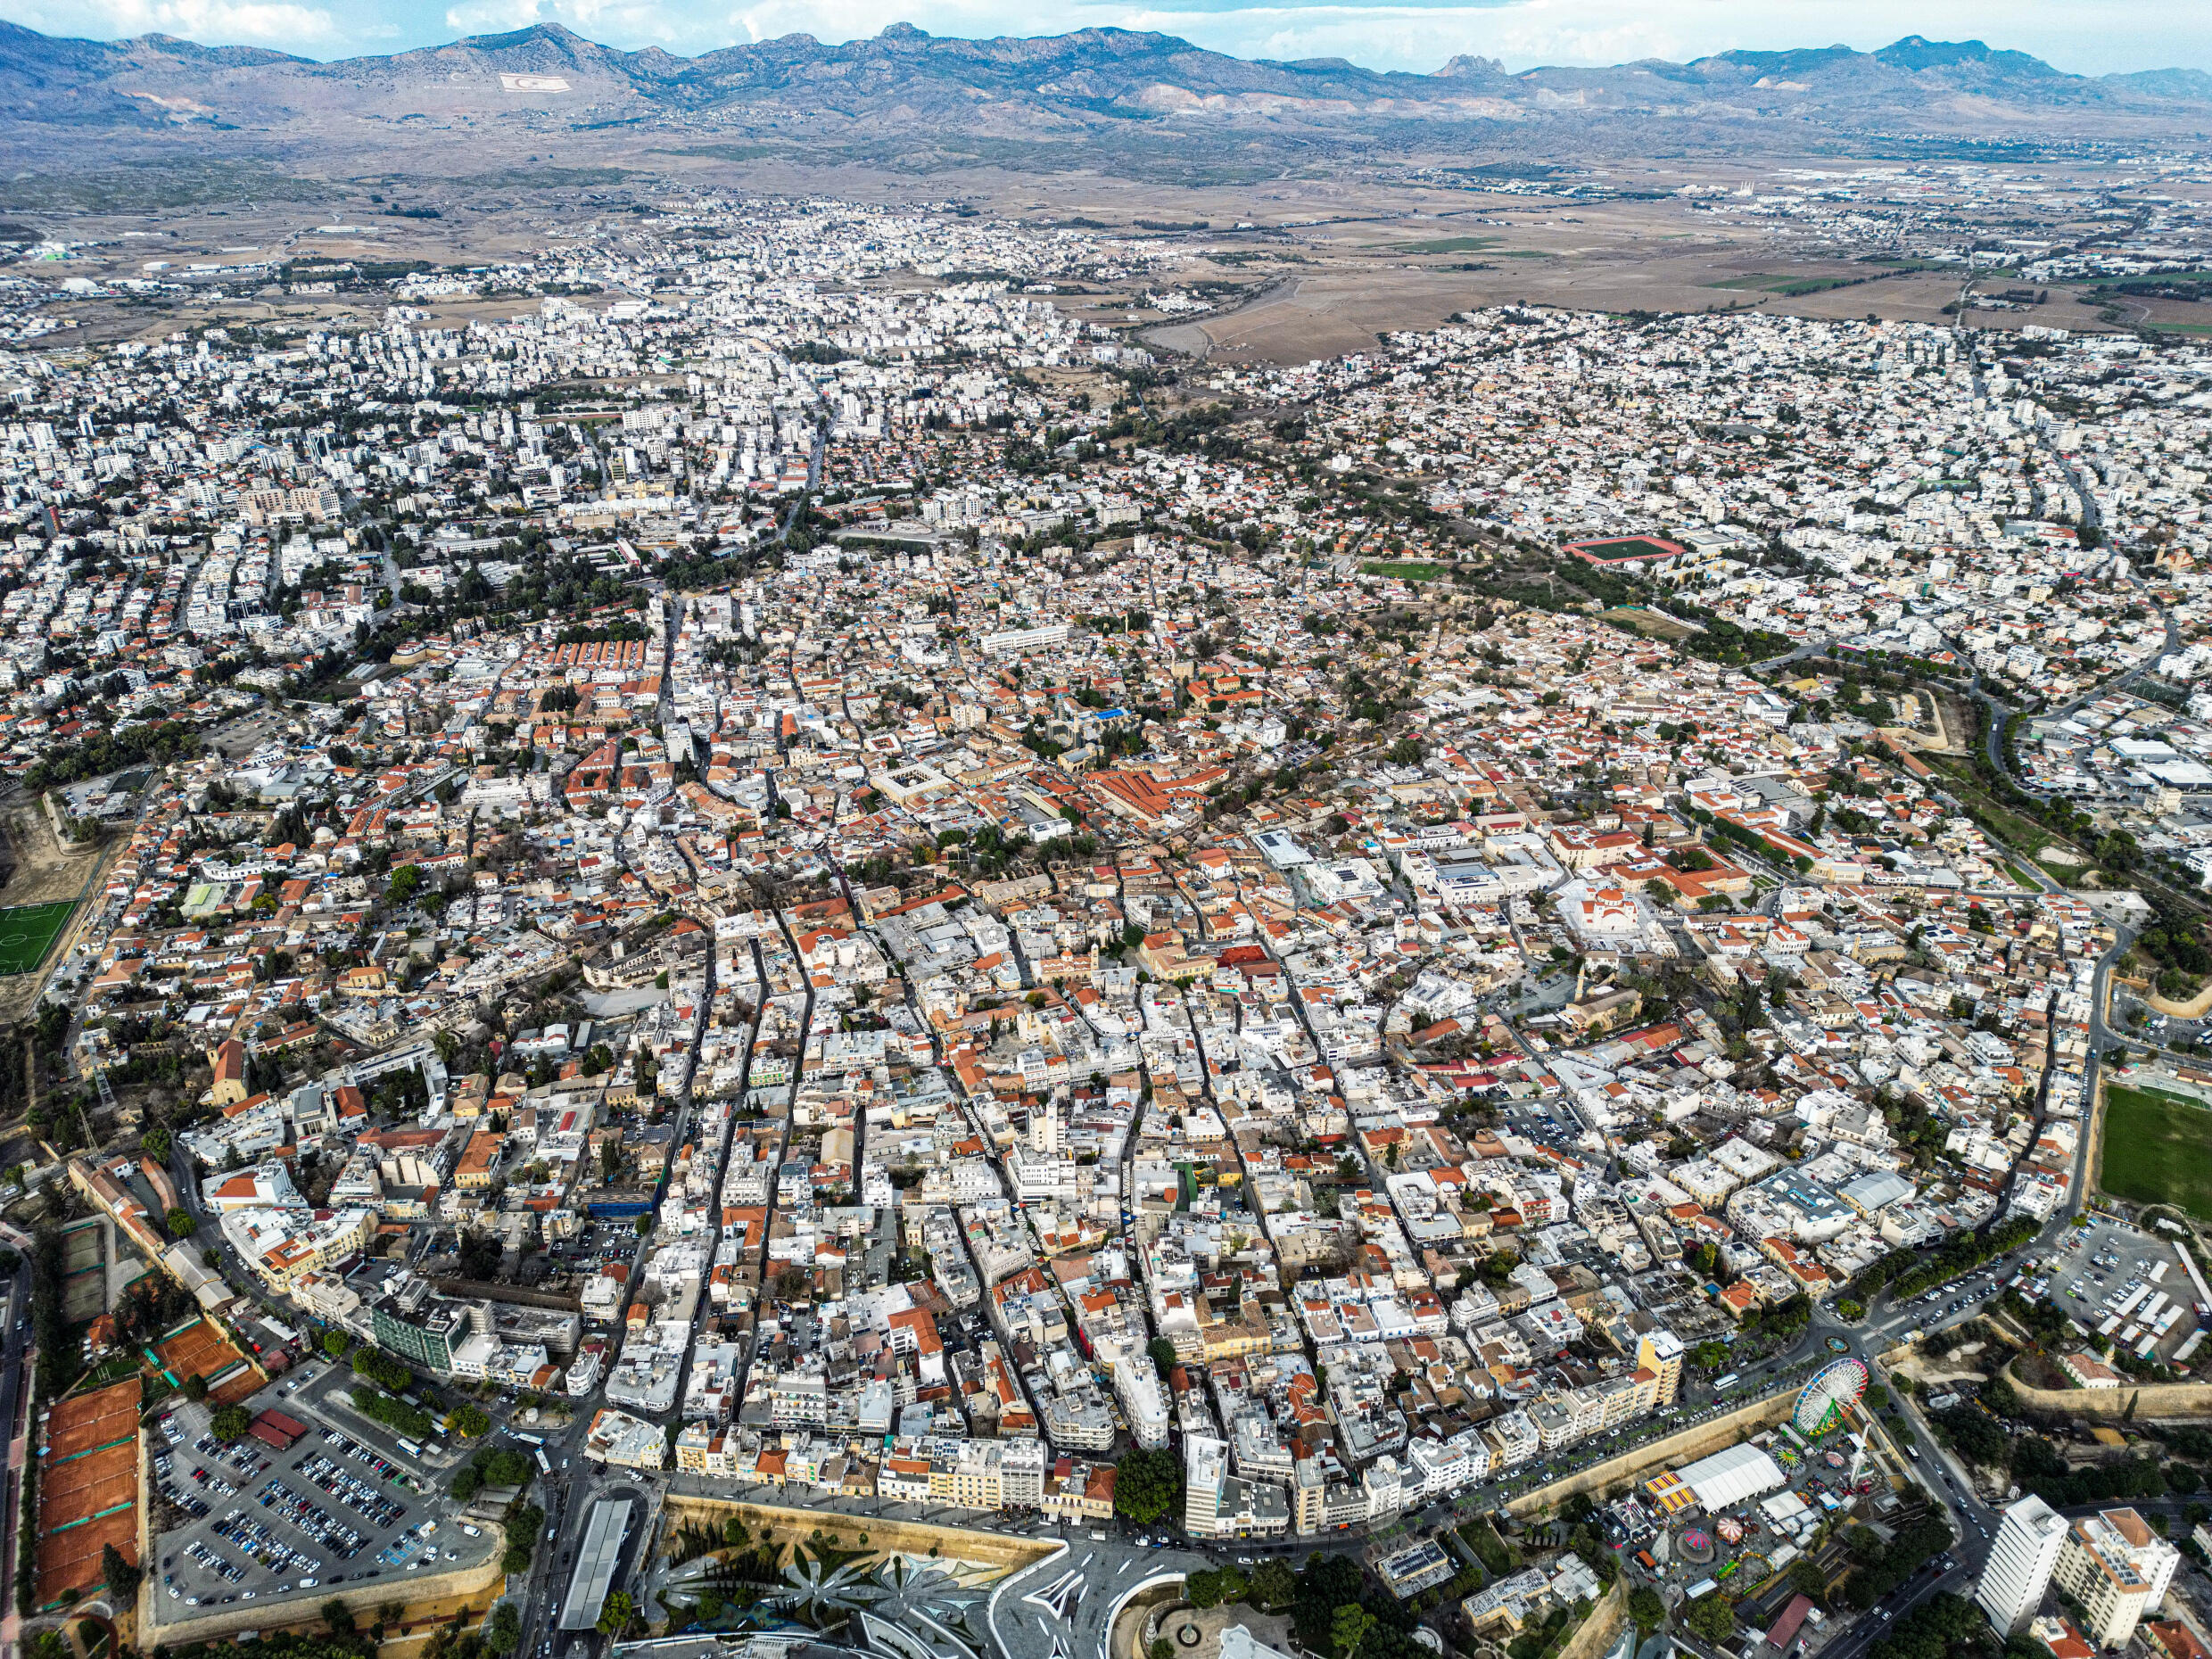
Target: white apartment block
[
  {"x": 2117, "y": 1569},
  {"x": 2020, "y": 1561}
]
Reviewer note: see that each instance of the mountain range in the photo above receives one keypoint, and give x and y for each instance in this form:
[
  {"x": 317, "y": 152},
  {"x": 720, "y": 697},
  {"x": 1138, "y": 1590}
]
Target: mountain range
[{"x": 1093, "y": 98}]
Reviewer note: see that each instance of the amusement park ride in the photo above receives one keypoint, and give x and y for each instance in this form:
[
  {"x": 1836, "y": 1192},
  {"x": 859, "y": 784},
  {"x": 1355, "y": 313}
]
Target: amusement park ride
[{"x": 1827, "y": 1403}]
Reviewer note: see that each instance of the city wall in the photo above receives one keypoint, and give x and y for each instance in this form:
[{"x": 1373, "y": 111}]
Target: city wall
[
  {"x": 1595, "y": 1633},
  {"x": 425, "y": 1595},
  {"x": 1700, "y": 1440},
  {"x": 2150, "y": 1399},
  {"x": 919, "y": 1537}
]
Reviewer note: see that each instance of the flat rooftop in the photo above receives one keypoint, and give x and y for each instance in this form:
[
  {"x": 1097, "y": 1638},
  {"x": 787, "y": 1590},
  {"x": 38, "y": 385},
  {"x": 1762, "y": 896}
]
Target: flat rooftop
[{"x": 596, "y": 1562}]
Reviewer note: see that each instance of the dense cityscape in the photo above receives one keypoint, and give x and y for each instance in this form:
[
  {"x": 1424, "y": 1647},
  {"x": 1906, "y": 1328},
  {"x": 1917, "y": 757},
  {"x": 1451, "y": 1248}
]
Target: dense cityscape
[{"x": 758, "y": 885}]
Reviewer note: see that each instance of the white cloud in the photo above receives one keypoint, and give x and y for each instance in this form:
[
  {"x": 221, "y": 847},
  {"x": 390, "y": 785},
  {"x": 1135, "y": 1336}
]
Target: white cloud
[
  {"x": 1417, "y": 35},
  {"x": 2115, "y": 34},
  {"x": 275, "y": 24}
]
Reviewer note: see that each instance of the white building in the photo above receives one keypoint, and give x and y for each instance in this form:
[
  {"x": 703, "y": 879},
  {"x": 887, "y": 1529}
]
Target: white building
[
  {"x": 2117, "y": 1569},
  {"x": 2020, "y": 1561},
  {"x": 1136, "y": 1384}
]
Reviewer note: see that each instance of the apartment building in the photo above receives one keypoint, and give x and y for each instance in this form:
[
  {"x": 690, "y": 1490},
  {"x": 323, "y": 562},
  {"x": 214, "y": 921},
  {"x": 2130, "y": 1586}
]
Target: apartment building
[
  {"x": 2117, "y": 1569},
  {"x": 2021, "y": 1558}
]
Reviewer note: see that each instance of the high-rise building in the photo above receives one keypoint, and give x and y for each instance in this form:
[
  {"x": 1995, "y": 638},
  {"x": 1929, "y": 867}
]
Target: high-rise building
[
  {"x": 2117, "y": 1569},
  {"x": 1205, "y": 1465},
  {"x": 2021, "y": 1558},
  {"x": 1660, "y": 1352}
]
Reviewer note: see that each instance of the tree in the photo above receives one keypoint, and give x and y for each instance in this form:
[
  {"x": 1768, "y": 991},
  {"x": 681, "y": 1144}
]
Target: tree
[
  {"x": 1148, "y": 1485},
  {"x": 181, "y": 1225},
  {"x": 1273, "y": 1585},
  {"x": 1348, "y": 1628},
  {"x": 154, "y": 1144},
  {"x": 338, "y": 1617},
  {"x": 120, "y": 1576},
  {"x": 230, "y": 1423},
  {"x": 1162, "y": 1354},
  {"x": 334, "y": 1344},
  {"x": 503, "y": 1630},
  {"x": 614, "y": 1617},
  {"x": 1710, "y": 1616},
  {"x": 195, "y": 1387},
  {"x": 470, "y": 1422},
  {"x": 378, "y": 1366},
  {"x": 1807, "y": 1579},
  {"x": 1645, "y": 1608}
]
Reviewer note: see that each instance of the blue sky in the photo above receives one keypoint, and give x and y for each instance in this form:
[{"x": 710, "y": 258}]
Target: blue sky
[{"x": 2089, "y": 36}]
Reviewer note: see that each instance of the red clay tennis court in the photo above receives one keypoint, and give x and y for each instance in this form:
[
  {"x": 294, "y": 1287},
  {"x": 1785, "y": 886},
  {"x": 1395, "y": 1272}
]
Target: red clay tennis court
[
  {"x": 202, "y": 1349},
  {"x": 87, "y": 1487}
]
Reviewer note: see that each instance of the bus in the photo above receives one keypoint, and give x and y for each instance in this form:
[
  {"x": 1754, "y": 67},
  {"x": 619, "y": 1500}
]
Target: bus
[
  {"x": 527, "y": 1439},
  {"x": 543, "y": 1468},
  {"x": 1720, "y": 1385},
  {"x": 410, "y": 1448}
]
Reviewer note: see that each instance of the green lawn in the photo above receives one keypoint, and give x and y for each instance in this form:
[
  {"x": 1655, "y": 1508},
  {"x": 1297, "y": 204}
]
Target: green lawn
[
  {"x": 1789, "y": 287},
  {"x": 28, "y": 931},
  {"x": 2021, "y": 835},
  {"x": 1403, "y": 570},
  {"x": 2157, "y": 1149},
  {"x": 1448, "y": 244}
]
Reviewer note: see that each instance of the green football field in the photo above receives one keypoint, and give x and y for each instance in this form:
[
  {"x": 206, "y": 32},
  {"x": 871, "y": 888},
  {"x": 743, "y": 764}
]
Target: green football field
[
  {"x": 2157, "y": 1150},
  {"x": 26, "y": 932}
]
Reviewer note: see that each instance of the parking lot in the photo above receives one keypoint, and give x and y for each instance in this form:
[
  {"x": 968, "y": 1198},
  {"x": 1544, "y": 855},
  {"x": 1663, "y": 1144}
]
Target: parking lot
[
  {"x": 1955, "y": 1299},
  {"x": 2131, "y": 1016},
  {"x": 337, "y": 1507},
  {"x": 2100, "y": 1266}
]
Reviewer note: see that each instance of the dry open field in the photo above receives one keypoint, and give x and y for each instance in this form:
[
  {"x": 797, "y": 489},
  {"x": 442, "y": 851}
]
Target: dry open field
[{"x": 1320, "y": 265}]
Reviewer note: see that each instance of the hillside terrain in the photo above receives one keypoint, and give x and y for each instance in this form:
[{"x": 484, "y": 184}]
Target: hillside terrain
[{"x": 1144, "y": 105}]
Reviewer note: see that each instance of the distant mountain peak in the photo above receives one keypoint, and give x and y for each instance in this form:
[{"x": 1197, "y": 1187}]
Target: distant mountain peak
[
  {"x": 1917, "y": 54},
  {"x": 535, "y": 34},
  {"x": 1153, "y": 97}
]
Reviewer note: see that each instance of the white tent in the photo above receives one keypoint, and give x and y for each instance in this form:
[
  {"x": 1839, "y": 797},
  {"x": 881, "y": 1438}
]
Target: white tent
[{"x": 1729, "y": 1477}]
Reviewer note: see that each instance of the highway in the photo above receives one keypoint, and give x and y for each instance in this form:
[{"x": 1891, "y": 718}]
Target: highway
[{"x": 15, "y": 1355}]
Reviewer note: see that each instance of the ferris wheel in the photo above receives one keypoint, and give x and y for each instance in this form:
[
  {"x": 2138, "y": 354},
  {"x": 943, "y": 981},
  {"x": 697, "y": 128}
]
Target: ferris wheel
[{"x": 1829, "y": 1396}]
